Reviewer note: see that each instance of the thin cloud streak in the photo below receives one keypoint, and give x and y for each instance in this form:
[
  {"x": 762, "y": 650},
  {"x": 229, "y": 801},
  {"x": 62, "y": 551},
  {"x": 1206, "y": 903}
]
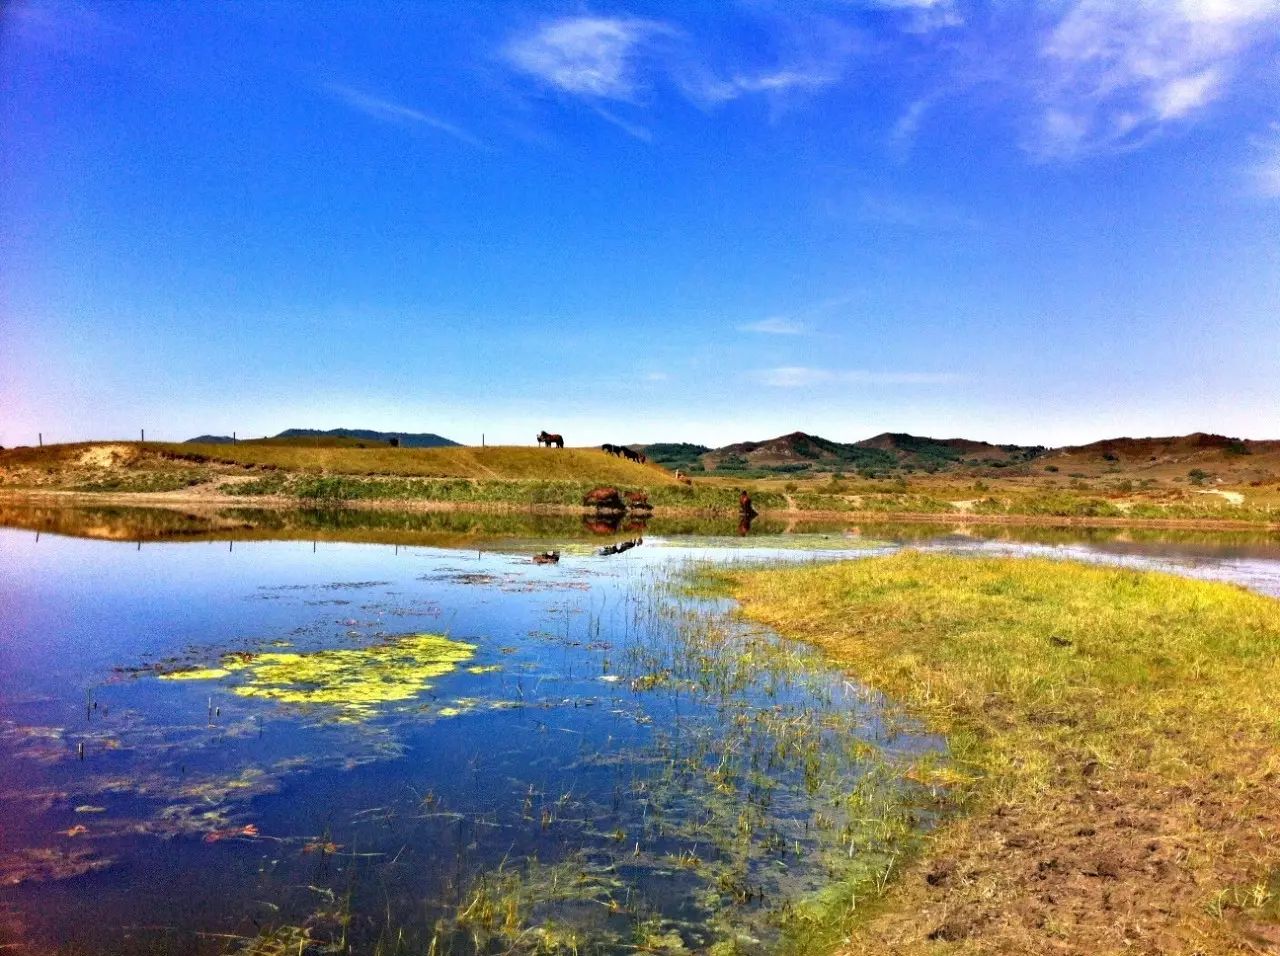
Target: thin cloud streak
[
  {"x": 775, "y": 325},
  {"x": 800, "y": 376},
  {"x": 1266, "y": 171},
  {"x": 391, "y": 112}
]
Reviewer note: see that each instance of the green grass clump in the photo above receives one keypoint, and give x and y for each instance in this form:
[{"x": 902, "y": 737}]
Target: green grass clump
[
  {"x": 888, "y": 503},
  {"x": 144, "y": 482},
  {"x": 1055, "y": 504}
]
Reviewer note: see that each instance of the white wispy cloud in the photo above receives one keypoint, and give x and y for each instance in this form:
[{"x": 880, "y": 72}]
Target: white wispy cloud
[
  {"x": 602, "y": 59},
  {"x": 802, "y": 376},
  {"x": 775, "y": 325},
  {"x": 1114, "y": 74},
  {"x": 587, "y": 56},
  {"x": 392, "y": 112}
]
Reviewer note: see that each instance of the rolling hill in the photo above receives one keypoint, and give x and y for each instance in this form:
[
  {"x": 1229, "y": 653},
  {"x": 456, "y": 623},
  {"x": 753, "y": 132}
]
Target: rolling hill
[
  {"x": 335, "y": 436},
  {"x": 800, "y": 453},
  {"x": 1211, "y": 456}
]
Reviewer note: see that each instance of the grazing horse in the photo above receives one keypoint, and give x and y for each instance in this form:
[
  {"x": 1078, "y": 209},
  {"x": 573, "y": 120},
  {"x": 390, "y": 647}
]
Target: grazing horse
[
  {"x": 630, "y": 455},
  {"x": 548, "y": 439},
  {"x": 611, "y": 449}
]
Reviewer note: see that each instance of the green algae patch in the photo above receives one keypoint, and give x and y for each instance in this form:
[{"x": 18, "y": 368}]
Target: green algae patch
[
  {"x": 197, "y": 673},
  {"x": 354, "y": 682}
]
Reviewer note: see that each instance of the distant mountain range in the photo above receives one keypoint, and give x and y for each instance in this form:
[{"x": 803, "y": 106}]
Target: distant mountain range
[
  {"x": 895, "y": 454},
  {"x": 407, "y": 439},
  {"x": 801, "y": 453}
]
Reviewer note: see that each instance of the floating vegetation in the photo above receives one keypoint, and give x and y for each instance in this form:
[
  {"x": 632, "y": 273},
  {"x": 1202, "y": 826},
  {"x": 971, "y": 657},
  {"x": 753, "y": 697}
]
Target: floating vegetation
[
  {"x": 354, "y": 682},
  {"x": 39, "y": 864},
  {"x": 515, "y": 581}
]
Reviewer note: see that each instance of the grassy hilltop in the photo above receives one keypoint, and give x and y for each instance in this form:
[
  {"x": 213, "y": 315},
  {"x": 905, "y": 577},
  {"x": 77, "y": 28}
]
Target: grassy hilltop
[{"x": 500, "y": 462}]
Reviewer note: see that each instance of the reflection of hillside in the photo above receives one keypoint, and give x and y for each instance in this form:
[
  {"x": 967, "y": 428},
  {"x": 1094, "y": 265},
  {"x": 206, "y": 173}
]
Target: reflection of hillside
[
  {"x": 447, "y": 529},
  {"x": 436, "y": 528}
]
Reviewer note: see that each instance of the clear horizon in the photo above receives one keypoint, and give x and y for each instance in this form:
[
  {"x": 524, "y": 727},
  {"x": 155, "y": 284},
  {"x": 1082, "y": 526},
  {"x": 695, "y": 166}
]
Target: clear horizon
[{"x": 1034, "y": 223}]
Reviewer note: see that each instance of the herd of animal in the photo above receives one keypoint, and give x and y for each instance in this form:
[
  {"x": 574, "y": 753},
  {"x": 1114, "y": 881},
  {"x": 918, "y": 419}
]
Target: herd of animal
[
  {"x": 551, "y": 439},
  {"x": 622, "y": 451}
]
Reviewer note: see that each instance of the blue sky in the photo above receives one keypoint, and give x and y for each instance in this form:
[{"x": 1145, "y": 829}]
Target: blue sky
[{"x": 1024, "y": 221}]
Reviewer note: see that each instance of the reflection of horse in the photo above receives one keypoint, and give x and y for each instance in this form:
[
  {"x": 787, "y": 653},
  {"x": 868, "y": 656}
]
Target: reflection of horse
[
  {"x": 744, "y": 523},
  {"x": 606, "y": 522},
  {"x": 620, "y": 547},
  {"x": 548, "y": 439},
  {"x": 547, "y": 557}
]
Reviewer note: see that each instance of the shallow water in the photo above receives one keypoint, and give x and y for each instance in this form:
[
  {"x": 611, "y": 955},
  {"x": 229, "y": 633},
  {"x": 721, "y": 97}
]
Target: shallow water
[
  {"x": 205, "y": 741},
  {"x": 245, "y": 745}
]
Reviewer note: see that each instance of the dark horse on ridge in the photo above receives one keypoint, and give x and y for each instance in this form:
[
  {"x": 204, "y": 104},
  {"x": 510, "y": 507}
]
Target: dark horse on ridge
[{"x": 546, "y": 438}]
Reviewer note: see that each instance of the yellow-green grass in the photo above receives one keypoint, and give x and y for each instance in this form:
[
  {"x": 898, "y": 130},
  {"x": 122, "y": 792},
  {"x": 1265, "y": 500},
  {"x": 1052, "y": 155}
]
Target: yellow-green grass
[
  {"x": 506, "y": 463},
  {"x": 509, "y": 463},
  {"x": 1115, "y": 736}
]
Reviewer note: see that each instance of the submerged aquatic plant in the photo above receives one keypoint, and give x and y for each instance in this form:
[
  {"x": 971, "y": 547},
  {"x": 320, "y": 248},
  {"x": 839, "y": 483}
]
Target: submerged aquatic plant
[{"x": 353, "y": 681}]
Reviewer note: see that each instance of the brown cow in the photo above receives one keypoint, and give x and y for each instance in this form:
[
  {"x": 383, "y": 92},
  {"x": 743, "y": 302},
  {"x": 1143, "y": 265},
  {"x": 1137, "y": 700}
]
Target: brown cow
[{"x": 603, "y": 499}]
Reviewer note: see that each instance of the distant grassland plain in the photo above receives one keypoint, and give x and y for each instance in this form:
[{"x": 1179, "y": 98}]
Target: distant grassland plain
[{"x": 337, "y": 471}]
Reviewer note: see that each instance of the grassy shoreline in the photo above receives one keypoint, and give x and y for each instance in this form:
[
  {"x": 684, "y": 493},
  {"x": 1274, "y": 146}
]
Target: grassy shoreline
[{"x": 1116, "y": 737}]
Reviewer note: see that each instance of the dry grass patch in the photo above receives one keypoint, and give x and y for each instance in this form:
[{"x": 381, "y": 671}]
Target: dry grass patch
[{"x": 1118, "y": 736}]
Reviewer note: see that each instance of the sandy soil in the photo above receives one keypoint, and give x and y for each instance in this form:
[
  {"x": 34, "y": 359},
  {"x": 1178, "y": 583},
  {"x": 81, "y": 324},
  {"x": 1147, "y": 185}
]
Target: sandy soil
[
  {"x": 1232, "y": 497},
  {"x": 1102, "y": 875}
]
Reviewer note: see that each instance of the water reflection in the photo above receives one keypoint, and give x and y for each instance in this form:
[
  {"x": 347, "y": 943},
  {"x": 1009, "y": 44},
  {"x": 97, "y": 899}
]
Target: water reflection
[{"x": 466, "y": 528}]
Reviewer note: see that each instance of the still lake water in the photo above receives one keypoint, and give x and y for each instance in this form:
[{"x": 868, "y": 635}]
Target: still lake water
[{"x": 213, "y": 746}]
